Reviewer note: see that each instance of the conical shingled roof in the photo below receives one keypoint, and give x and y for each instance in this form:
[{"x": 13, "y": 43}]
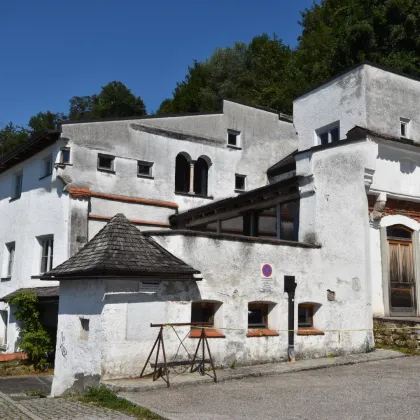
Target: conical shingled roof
[{"x": 121, "y": 250}]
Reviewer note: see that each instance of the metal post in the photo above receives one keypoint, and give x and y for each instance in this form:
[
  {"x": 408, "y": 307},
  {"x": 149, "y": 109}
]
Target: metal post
[{"x": 289, "y": 288}]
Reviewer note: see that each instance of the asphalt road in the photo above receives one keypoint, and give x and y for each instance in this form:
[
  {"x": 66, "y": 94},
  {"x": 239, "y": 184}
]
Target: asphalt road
[{"x": 388, "y": 389}]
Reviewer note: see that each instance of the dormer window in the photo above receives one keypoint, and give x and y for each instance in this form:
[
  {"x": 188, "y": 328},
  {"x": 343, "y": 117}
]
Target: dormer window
[
  {"x": 233, "y": 138},
  {"x": 329, "y": 134},
  {"x": 405, "y": 124}
]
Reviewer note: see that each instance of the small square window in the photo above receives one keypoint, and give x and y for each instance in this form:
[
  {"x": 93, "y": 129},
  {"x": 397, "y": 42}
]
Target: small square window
[
  {"x": 233, "y": 138},
  {"x": 405, "y": 127},
  {"x": 65, "y": 155},
  {"x": 202, "y": 312},
  {"x": 106, "y": 163},
  {"x": 329, "y": 134},
  {"x": 84, "y": 330},
  {"x": 257, "y": 315},
  {"x": 144, "y": 169},
  {"x": 240, "y": 181},
  {"x": 305, "y": 315},
  {"x": 47, "y": 166},
  {"x": 17, "y": 187}
]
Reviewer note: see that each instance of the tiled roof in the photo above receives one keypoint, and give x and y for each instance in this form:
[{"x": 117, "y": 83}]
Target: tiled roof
[
  {"x": 41, "y": 292},
  {"x": 121, "y": 250}
]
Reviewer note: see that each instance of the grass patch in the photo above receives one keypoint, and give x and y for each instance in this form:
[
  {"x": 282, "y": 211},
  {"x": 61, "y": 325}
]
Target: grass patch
[
  {"x": 105, "y": 398},
  {"x": 405, "y": 350}
]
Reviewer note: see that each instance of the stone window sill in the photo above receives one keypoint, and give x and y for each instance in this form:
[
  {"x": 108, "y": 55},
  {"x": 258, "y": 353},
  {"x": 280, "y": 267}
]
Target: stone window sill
[
  {"x": 62, "y": 165},
  {"x": 232, "y": 146},
  {"x": 14, "y": 199},
  {"x": 262, "y": 332},
  {"x": 107, "y": 171},
  {"x": 240, "y": 191},
  {"x": 145, "y": 176},
  {"x": 196, "y": 333},
  {"x": 309, "y": 331},
  {"x": 208, "y": 197},
  {"x": 6, "y": 278}
]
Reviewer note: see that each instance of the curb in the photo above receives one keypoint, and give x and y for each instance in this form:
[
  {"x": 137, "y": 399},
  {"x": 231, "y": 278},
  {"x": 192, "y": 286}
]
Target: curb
[{"x": 286, "y": 368}]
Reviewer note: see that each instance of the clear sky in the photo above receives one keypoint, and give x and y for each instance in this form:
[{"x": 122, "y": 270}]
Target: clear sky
[{"x": 52, "y": 50}]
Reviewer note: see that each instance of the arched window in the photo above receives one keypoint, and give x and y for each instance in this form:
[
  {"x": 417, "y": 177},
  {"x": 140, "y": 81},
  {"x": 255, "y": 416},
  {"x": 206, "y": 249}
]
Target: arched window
[
  {"x": 401, "y": 268},
  {"x": 201, "y": 170},
  {"x": 182, "y": 174}
]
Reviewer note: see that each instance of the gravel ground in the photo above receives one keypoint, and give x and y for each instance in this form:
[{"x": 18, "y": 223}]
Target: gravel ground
[{"x": 382, "y": 390}]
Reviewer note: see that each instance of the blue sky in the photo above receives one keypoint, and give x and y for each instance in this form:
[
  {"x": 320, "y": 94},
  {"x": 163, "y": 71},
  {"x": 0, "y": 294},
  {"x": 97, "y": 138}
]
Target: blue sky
[{"x": 52, "y": 50}]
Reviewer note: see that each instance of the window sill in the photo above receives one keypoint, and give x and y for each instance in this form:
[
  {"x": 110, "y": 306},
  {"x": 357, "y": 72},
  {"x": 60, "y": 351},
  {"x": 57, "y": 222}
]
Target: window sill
[
  {"x": 145, "y": 176},
  {"x": 309, "y": 331},
  {"x": 62, "y": 165},
  {"x": 37, "y": 276},
  {"x": 240, "y": 191},
  {"x": 14, "y": 199},
  {"x": 262, "y": 332},
  {"x": 208, "y": 197},
  {"x": 45, "y": 176},
  {"x": 107, "y": 171},
  {"x": 232, "y": 146},
  {"x": 6, "y": 278},
  {"x": 196, "y": 333}
]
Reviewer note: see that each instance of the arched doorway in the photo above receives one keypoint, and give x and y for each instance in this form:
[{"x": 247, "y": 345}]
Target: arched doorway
[{"x": 401, "y": 271}]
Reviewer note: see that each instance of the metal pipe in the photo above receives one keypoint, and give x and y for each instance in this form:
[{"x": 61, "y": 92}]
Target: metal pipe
[{"x": 289, "y": 288}]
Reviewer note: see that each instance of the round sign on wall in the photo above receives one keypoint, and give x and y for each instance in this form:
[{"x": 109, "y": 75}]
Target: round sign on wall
[{"x": 267, "y": 270}]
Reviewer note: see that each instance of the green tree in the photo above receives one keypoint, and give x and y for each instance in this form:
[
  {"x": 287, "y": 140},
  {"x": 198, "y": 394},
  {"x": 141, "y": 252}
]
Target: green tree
[
  {"x": 114, "y": 100},
  {"x": 45, "y": 121},
  {"x": 337, "y": 34},
  {"x": 11, "y": 136}
]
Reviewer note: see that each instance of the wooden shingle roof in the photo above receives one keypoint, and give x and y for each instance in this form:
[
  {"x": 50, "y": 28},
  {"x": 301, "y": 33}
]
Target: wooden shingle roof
[{"x": 120, "y": 250}]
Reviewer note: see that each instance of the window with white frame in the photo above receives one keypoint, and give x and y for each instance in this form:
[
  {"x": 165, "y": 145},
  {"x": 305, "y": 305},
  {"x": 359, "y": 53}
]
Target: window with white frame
[
  {"x": 47, "y": 253},
  {"x": 144, "y": 169},
  {"x": 4, "y": 322},
  {"x": 106, "y": 163},
  {"x": 65, "y": 155},
  {"x": 10, "y": 258},
  {"x": 47, "y": 165},
  {"x": 233, "y": 138},
  {"x": 329, "y": 134},
  {"x": 17, "y": 185},
  {"x": 240, "y": 182},
  {"x": 405, "y": 125}
]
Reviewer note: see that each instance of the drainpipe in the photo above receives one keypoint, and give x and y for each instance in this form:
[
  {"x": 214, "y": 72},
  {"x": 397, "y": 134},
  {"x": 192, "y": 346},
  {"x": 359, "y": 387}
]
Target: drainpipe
[{"x": 289, "y": 288}]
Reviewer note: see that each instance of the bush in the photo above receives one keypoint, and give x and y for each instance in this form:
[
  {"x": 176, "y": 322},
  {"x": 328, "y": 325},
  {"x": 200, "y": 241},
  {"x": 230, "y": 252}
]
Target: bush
[{"x": 33, "y": 339}]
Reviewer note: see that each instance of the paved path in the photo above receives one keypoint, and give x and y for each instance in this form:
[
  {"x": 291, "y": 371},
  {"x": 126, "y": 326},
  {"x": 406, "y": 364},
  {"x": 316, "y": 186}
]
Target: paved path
[
  {"x": 54, "y": 409},
  {"x": 17, "y": 386},
  {"x": 388, "y": 389}
]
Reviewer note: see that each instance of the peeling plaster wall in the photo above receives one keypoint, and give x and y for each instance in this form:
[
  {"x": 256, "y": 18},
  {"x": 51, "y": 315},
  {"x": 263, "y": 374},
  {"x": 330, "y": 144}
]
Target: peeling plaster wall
[
  {"x": 264, "y": 141},
  {"x": 42, "y": 209}
]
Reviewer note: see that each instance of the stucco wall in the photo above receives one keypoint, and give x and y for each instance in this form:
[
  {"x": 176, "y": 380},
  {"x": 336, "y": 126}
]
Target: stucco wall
[
  {"x": 264, "y": 140},
  {"x": 42, "y": 209}
]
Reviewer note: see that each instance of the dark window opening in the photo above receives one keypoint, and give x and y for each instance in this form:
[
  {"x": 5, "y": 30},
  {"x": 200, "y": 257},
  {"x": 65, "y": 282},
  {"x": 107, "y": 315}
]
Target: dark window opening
[
  {"x": 18, "y": 185},
  {"x": 324, "y": 138},
  {"x": 202, "y": 312},
  {"x": 240, "y": 182},
  {"x": 257, "y": 315},
  {"x": 305, "y": 315},
  {"x": 201, "y": 170},
  {"x": 144, "y": 168},
  {"x": 399, "y": 232},
  {"x": 106, "y": 163},
  {"x": 182, "y": 174},
  {"x": 335, "y": 134},
  {"x": 48, "y": 166},
  {"x": 233, "y": 138},
  {"x": 47, "y": 254},
  {"x": 65, "y": 156},
  {"x": 403, "y": 130}
]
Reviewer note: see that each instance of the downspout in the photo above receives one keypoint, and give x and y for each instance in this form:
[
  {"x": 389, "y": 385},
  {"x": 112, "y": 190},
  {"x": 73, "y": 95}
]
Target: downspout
[{"x": 289, "y": 288}]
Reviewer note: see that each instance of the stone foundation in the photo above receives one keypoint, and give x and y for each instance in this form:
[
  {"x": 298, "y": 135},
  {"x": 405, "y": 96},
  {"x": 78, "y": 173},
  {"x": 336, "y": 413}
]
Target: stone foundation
[{"x": 390, "y": 332}]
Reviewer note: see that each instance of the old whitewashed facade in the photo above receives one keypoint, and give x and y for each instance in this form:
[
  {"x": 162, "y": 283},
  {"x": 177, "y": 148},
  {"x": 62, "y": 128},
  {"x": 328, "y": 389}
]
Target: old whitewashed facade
[{"x": 330, "y": 198}]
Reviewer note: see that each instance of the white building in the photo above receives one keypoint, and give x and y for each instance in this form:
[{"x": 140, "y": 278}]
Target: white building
[{"x": 335, "y": 206}]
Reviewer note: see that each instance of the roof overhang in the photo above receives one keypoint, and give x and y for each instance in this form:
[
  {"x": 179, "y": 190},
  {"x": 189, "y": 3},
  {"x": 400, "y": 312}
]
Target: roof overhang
[
  {"x": 42, "y": 293},
  {"x": 31, "y": 147}
]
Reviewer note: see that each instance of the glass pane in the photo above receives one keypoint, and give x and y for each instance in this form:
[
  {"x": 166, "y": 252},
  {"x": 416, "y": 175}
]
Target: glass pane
[
  {"x": 335, "y": 134},
  {"x": 202, "y": 312},
  {"x": 398, "y": 232},
  {"x": 402, "y": 295},
  {"x": 304, "y": 316},
  {"x": 323, "y": 138},
  {"x": 239, "y": 182},
  {"x": 256, "y": 317},
  {"x": 105, "y": 162},
  {"x": 65, "y": 156},
  {"x": 144, "y": 169},
  {"x": 232, "y": 139}
]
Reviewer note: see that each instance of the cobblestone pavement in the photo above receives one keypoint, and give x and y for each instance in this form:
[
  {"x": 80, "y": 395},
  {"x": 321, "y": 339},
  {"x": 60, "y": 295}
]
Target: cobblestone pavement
[{"x": 54, "y": 409}]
